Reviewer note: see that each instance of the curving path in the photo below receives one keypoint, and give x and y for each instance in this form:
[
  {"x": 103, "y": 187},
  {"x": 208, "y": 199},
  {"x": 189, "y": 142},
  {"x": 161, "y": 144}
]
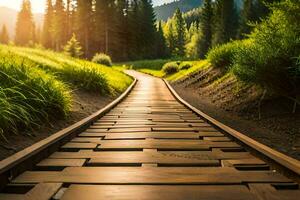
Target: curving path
[{"x": 150, "y": 147}]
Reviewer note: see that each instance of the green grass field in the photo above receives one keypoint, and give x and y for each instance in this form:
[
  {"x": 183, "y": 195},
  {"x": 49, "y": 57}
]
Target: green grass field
[
  {"x": 154, "y": 68},
  {"x": 36, "y": 85}
]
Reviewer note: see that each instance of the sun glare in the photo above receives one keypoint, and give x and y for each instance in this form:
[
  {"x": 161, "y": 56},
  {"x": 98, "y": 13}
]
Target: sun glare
[{"x": 38, "y": 6}]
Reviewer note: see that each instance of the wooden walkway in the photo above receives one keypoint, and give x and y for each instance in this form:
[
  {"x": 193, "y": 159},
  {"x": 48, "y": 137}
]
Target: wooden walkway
[{"x": 151, "y": 147}]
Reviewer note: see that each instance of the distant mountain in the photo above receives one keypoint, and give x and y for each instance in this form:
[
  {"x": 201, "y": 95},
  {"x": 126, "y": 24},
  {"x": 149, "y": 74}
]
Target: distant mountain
[
  {"x": 165, "y": 11},
  {"x": 8, "y": 17}
]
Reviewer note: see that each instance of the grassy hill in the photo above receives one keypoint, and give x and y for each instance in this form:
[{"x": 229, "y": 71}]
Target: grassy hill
[{"x": 36, "y": 85}]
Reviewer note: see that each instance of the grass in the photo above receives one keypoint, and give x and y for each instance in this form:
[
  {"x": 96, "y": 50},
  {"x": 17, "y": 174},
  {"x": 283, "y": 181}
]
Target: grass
[
  {"x": 155, "y": 69},
  {"x": 36, "y": 85},
  {"x": 28, "y": 95},
  {"x": 147, "y": 64},
  {"x": 81, "y": 73}
]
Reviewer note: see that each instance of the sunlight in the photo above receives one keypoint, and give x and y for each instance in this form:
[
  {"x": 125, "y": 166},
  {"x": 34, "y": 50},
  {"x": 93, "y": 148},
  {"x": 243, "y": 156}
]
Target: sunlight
[{"x": 38, "y": 6}]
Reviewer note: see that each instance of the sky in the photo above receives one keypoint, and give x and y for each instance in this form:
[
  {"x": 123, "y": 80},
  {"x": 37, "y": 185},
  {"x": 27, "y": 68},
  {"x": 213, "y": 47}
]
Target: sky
[{"x": 38, "y": 6}]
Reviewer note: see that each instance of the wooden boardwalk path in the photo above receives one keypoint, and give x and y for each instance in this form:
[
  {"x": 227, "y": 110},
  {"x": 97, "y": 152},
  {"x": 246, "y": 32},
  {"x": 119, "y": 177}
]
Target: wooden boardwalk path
[{"x": 151, "y": 147}]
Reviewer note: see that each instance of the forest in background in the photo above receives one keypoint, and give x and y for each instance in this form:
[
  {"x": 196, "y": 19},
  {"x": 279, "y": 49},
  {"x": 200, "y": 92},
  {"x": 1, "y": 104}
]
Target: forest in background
[{"x": 220, "y": 30}]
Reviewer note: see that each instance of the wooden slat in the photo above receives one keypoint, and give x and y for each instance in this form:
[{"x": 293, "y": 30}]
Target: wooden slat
[
  {"x": 83, "y": 192},
  {"x": 140, "y": 175},
  {"x": 62, "y": 162},
  {"x": 163, "y": 144}
]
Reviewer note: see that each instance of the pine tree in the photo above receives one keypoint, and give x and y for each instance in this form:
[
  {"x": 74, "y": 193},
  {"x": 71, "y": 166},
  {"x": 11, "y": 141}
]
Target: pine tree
[
  {"x": 148, "y": 34},
  {"x": 101, "y": 15},
  {"x": 4, "y": 38},
  {"x": 134, "y": 31},
  {"x": 161, "y": 46},
  {"x": 206, "y": 28},
  {"x": 84, "y": 23},
  {"x": 179, "y": 34},
  {"x": 73, "y": 47},
  {"x": 47, "y": 37},
  {"x": 121, "y": 30},
  {"x": 25, "y": 25},
  {"x": 225, "y": 21},
  {"x": 59, "y": 24}
]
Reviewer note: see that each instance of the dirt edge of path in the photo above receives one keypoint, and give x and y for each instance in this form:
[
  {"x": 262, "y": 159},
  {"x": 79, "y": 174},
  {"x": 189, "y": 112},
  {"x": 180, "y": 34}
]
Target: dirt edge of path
[
  {"x": 280, "y": 132},
  {"x": 84, "y": 105}
]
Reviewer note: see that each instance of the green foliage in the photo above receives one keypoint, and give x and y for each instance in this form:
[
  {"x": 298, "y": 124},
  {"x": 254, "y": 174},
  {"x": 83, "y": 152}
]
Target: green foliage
[
  {"x": 102, "y": 59},
  {"x": 225, "y": 21},
  {"x": 193, "y": 48},
  {"x": 170, "y": 68},
  {"x": 73, "y": 47},
  {"x": 86, "y": 75},
  {"x": 167, "y": 10},
  {"x": 175, "y": 31},
  {"x": 184, "y": 66},
  {"x": 206, "y": 28},
  {"x": 28, "y": 96},
  {"x": 147, "y": 64},
  {"x": 222, "y": 56},
  {"x": 271, "y": 60}
]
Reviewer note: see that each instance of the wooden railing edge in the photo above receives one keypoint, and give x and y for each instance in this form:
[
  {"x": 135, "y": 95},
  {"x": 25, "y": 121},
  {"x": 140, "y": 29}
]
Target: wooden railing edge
[
  {"x": 280, "y": 158},
  {"x": 14, "y": 160}
]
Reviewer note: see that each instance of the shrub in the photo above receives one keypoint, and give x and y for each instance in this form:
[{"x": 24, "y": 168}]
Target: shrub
[
  {"x": 148, "y": 64},
  {"x": 29, "y": 96},
  {"x": 271, "y": 59},
  {"x": 73, "y": 47},
  {"x": 103, "y": 59},
  {"x": 222, "y": 56},
  {"x": 170, "y": 68},
  {"x": 185, "y": 66}
]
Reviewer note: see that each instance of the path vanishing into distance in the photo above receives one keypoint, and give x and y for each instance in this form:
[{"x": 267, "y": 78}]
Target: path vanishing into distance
[{"x": 151, "y": 147}]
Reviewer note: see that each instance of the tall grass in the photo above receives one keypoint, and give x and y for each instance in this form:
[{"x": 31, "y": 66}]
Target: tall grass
[
  {"x": 28, "y": 95},
  {"x": 81, "y": 73}
]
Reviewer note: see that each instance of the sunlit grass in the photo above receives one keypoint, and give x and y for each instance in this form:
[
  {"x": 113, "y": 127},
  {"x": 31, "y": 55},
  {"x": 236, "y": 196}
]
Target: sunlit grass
[
  {"x": 28, "y": 95},
  {"x": 36, "y": 85},
  {"x": 195, "y": 66},
  {"x": 82, "y": 73}
]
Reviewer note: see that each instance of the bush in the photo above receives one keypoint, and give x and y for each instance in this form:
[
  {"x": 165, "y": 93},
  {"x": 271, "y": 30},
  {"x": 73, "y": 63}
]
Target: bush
[
  {"x": 147, "y": 64},
  {"x": 103, "y": 59},
  {"x": 73, "y": 47},
  {"x": 271, "y": 59},
  {"x": 170, "y": 68},
  {"x": 222, "y": 56},
  {"x": 184, "y": 66},
  {"x": 29, "y": 96}
]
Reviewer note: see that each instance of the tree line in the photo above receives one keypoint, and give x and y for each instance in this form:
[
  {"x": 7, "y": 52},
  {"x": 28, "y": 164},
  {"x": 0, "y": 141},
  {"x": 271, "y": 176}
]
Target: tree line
[
  {"x": 216, "y": 22},
  {"x": 124, "y": 29},
  {"x": 128, "y": 30}
]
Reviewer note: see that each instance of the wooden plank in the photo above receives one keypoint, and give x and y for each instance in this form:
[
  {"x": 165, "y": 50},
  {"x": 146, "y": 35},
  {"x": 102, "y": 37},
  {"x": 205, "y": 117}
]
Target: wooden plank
[
  {"x": 74, "y": 145},
  {"x": 156, "y": 135},
  {"x": 154, "y": 175},
  {"x": 284, "y": 160},
  {"x": 198, "y": 155},
  {"x": 153, "y": 157},
  {"x": 104, "y": 192},
  {"x": 267, "y": 192},
  {"x": 26, "y": 154},
  {"x": 43, "y": 191},
  {"x": 163, "y": 144},
  {"x": 61, "y": 162}
]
